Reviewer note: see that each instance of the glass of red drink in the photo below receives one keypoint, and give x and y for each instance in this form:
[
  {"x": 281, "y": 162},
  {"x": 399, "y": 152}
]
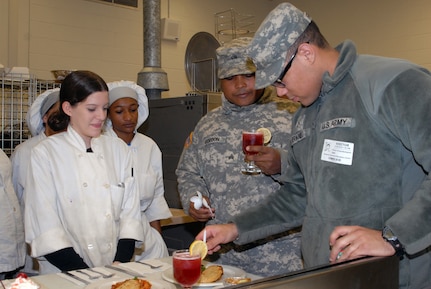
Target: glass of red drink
[
  {"x": 251, "y": 138},
  {"x": 187, "y": 268}
]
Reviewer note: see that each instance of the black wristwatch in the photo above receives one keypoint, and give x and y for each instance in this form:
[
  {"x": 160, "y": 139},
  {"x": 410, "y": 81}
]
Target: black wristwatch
[{"x": 389, "y": 237}]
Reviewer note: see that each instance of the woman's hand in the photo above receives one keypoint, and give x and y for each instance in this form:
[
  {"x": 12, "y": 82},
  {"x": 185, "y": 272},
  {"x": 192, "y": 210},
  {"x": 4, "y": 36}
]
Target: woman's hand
[
  {"x": 202, "y": 214},
  {"x": 268, "y": 159}
]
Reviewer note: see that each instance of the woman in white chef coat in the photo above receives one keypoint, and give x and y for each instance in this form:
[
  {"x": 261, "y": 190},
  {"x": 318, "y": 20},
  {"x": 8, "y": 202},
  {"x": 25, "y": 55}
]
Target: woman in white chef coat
[
  {"x": 82, "y": 208},
  {"x": 128, "y": 109},
  {"x": 37, "y": 120},
  {"x": 12, "y": 245}
]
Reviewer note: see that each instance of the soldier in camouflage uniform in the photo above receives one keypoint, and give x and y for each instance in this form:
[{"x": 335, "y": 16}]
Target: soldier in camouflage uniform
[
  {"x": 358, "y": 177},
  {"x": 212, "y": 160}
]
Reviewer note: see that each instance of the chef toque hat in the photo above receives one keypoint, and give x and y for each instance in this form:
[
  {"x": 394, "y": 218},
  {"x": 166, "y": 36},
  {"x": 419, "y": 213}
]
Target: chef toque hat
[
  {"x": 125, "y": 88},
  {"x": 39, "y": 108}
]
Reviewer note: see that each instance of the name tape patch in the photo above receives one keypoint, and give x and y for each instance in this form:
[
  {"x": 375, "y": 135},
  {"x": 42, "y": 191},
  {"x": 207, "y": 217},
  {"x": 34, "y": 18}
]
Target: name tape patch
[{"x": 337, "y": 122}]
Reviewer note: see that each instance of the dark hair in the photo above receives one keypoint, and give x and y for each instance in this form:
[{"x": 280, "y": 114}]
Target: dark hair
[
  {"x": 310, "y": 35},
  {"x": 75, "y": 88}
]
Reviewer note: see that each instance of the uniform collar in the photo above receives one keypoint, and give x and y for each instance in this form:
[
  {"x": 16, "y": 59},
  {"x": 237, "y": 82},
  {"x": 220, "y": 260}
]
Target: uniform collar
[
  {"x": 345, "y": 62},
  {"x": 78, "y": 142}
]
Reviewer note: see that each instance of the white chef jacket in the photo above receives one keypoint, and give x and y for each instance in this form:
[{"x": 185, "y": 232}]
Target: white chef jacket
[
  {"x": 148, "y": 172},
  {"x": 87, "y": 201},
  {"x": 12, "y": 245},
  {"x": 20, "y": 159}
]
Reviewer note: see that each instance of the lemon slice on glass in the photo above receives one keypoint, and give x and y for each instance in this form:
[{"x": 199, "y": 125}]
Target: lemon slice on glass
[
  {"x": 198, "y": 247},
  {"x": 266, "y": 134}
]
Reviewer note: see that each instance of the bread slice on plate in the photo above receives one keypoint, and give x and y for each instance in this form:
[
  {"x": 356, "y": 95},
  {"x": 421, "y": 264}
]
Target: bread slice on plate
[
  {"x": 132, "y": 284},
  {"x": 211, "y": 274}
]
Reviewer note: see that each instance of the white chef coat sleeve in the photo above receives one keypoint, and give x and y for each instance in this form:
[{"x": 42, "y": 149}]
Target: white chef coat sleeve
[
  {"x": 43, "y": 228},
  {"x": 158, "y": 209}
]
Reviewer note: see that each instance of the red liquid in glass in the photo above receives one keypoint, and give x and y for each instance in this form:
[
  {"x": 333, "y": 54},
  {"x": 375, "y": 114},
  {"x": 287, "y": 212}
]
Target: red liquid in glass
[
  {"x": 187, "y": 272},
  {"x": 251, "y": 139}
]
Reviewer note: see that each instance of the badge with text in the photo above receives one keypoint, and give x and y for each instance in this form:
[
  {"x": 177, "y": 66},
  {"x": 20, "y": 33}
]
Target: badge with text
[{"x": 338, "y": 152}]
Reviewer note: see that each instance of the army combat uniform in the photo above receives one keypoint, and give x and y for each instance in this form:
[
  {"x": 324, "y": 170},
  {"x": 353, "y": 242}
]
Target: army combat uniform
[{"x": 211, "y": 163}]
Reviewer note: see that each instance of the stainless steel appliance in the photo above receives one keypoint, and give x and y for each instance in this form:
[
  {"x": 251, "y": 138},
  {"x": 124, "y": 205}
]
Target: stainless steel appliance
[
  {"x": 365, "y": 273},
  {"x": 170, "y": 122}
]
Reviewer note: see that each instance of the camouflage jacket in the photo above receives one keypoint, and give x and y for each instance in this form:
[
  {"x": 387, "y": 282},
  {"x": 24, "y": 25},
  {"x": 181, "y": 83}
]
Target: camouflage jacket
[{"x": 211, "y": 163}]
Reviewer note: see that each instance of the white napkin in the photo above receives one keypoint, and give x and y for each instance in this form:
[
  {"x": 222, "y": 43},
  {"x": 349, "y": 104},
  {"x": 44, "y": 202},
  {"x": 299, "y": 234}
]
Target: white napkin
[
  {"x": 144, "y": 269},
  {"x": 7, "y": 282},
  {"x": 103, "y": 271},
  {"x": 85, "y": 277},
  {"x": 95, "y": 276}
]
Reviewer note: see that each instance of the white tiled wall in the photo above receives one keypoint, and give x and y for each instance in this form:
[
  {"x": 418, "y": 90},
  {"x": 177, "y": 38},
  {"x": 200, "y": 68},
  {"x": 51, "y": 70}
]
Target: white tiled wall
[{"x": 83, "y": 34}]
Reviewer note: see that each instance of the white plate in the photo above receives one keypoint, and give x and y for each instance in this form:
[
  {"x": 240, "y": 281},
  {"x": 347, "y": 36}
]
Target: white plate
[
  {"x": 228, "y": 271},
  {"x": 107, "y": 283}
]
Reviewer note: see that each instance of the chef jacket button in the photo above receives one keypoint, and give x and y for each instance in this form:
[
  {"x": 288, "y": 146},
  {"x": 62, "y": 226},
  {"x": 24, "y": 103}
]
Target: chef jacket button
[
  {"x": 108, "y": 215},
  {"x": 107, "y": 186},
  {"x": 109, "y": 245},
  {"x": 84, "y": 185},
  {"x": 90, "y": 246}
]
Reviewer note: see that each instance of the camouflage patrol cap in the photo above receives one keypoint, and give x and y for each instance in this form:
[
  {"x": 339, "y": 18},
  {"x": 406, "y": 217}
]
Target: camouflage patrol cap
[
  {"x": 276, "y": 34},
  {"x": 232, "y": 58}
]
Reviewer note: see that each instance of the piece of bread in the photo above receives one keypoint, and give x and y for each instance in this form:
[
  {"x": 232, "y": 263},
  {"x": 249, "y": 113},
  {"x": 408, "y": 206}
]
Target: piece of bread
[
  {"x": 132, "y": 284},
  {"x": 211, "y": 274},
  {"x": 236, "y": 280}
]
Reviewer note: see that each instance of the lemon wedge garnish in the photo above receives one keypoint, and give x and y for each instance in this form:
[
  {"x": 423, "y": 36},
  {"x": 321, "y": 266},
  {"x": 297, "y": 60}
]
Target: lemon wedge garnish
[
  {"x": 266, "y": 134},
  {"x": 198, "y": 247}
]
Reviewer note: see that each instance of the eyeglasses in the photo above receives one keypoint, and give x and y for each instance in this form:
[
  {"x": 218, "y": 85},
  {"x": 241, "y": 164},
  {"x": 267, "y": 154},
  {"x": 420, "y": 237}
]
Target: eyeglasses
[{"x": 279, "y": 83}]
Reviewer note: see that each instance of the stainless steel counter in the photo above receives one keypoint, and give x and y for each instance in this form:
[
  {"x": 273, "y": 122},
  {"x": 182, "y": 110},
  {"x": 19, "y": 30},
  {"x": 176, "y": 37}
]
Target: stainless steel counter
[{"x": 366, "y": 273}]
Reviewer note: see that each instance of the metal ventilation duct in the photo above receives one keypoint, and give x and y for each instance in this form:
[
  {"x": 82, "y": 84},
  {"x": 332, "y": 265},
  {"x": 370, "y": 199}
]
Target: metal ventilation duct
[{"x": 152, "y": 77}]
